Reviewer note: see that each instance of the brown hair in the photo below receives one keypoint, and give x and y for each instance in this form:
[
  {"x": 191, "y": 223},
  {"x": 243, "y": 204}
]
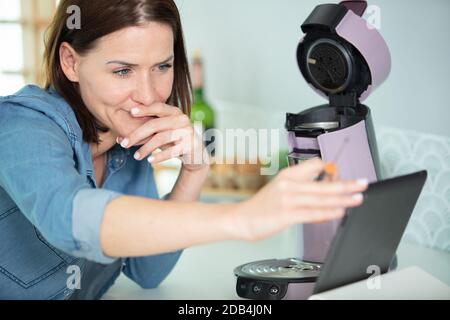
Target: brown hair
[{"x": 99, "y": 18}]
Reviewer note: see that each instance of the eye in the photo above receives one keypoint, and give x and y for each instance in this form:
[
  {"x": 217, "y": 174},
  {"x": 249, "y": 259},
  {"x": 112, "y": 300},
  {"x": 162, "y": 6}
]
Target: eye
[
  {"x": 164, "y": 67},
  {"x": 122, "y": 72}
]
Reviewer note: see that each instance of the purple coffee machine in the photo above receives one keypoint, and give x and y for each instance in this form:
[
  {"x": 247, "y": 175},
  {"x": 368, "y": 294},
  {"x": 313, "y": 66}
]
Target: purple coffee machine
[{"x": 343, "y": 58}]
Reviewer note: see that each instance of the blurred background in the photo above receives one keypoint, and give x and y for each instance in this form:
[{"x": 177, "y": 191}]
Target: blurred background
[
  {"x": 251, "y": 79},
  {"x": 248, "y": 49},
  {"x": 22, "y": 26}
]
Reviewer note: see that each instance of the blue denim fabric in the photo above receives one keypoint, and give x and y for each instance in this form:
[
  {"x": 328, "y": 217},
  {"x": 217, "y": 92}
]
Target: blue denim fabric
[{"x": 51, "y": 208}]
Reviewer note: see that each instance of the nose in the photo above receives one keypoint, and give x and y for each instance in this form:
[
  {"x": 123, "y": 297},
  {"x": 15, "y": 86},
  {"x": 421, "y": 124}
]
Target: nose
[{"x": 145, "y": 92}]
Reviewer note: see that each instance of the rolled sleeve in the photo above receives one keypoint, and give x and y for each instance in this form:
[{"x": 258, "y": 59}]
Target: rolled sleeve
[
  {"x": 148, "y": 272},
  {"x": 88, "y": 210}
]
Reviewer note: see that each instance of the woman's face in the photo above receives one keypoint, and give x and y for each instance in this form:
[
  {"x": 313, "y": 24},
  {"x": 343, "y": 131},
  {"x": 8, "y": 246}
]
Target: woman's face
[{"x": 128, "y": 68}]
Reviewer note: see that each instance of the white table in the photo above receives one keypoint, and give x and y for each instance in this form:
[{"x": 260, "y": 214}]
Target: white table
[{"x": 206, "y": 272}]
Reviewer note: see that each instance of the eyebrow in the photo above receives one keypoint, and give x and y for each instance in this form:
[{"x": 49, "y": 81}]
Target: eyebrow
[{"x": 128, "y": 64}]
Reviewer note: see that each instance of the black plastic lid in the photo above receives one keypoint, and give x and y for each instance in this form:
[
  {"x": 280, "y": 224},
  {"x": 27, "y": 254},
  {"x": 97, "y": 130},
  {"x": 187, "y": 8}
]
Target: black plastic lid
[{"x": 330, "y": 63}]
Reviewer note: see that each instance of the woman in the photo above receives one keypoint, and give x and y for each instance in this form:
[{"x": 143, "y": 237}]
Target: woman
[{"x": 76, "y": 190}]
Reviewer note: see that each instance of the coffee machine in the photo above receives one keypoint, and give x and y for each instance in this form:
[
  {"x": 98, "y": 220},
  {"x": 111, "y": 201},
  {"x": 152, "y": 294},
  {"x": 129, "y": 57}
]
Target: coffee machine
[{"x": 344, "y": 59}]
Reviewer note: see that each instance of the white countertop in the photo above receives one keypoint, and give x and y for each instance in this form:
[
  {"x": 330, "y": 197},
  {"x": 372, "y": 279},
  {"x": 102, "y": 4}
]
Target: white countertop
[{"x": 206, "y": 272}]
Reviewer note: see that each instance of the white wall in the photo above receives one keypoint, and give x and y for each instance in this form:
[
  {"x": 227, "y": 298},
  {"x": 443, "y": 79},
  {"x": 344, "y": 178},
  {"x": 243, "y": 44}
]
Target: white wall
[{"x": 251, "y": 71}]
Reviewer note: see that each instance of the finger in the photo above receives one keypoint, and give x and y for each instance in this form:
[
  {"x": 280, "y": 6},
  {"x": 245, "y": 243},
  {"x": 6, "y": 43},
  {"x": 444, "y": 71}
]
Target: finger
[
  {"x": 153, "y": 126},
  {"x": 158, "y": 109},
  {"x": 159, "y": 140},
  {"x": 328, "y": 178},
  {"x": 327, "y": 188},
  {"x": 170, "y": 153},
  {"x": 306, "y": 171},
  {"x": 317, "y": 215},
  {"x": 144, "y": 141},
  {"x": 166, "y": 146},
  {"x": 326, "y": 216},
  {"x": 326, "y": 202},
  {"x": 139, "y": 143},
  {"x": 335, "y": 176}
]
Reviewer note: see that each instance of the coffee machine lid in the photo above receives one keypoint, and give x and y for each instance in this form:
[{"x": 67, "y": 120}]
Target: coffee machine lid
[{"x": 342, "y": 56}]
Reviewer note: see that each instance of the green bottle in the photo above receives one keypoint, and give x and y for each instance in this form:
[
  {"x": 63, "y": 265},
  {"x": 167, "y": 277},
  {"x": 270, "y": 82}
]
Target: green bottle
[{"x": 201, "y": 111}]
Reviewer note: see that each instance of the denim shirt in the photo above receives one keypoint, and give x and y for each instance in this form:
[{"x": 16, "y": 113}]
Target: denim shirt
[{"x": 51, "y": 207}]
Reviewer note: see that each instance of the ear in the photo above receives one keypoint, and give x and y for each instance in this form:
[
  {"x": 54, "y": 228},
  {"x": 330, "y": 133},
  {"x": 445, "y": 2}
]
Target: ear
[{"x": 69, "y": 60}]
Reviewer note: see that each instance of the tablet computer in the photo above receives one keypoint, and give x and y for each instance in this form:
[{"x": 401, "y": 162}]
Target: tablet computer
[{"x": 368, "y": 236}]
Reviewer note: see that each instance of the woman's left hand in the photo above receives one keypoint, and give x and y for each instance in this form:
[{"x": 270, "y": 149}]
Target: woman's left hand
[{"x": 171, "y": 131}]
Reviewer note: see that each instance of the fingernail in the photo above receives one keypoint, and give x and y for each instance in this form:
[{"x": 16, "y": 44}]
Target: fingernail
[
  {"x": 362, "y": 182},
  {"x": 357, "y": 196},
  {"x": 135, "y": 111},
  {"x": 137, "y": 156},
  {"x": 150, "y": 159},
  {"x": 124, "y": 143},
  {"x": 119, "y": 140}
]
